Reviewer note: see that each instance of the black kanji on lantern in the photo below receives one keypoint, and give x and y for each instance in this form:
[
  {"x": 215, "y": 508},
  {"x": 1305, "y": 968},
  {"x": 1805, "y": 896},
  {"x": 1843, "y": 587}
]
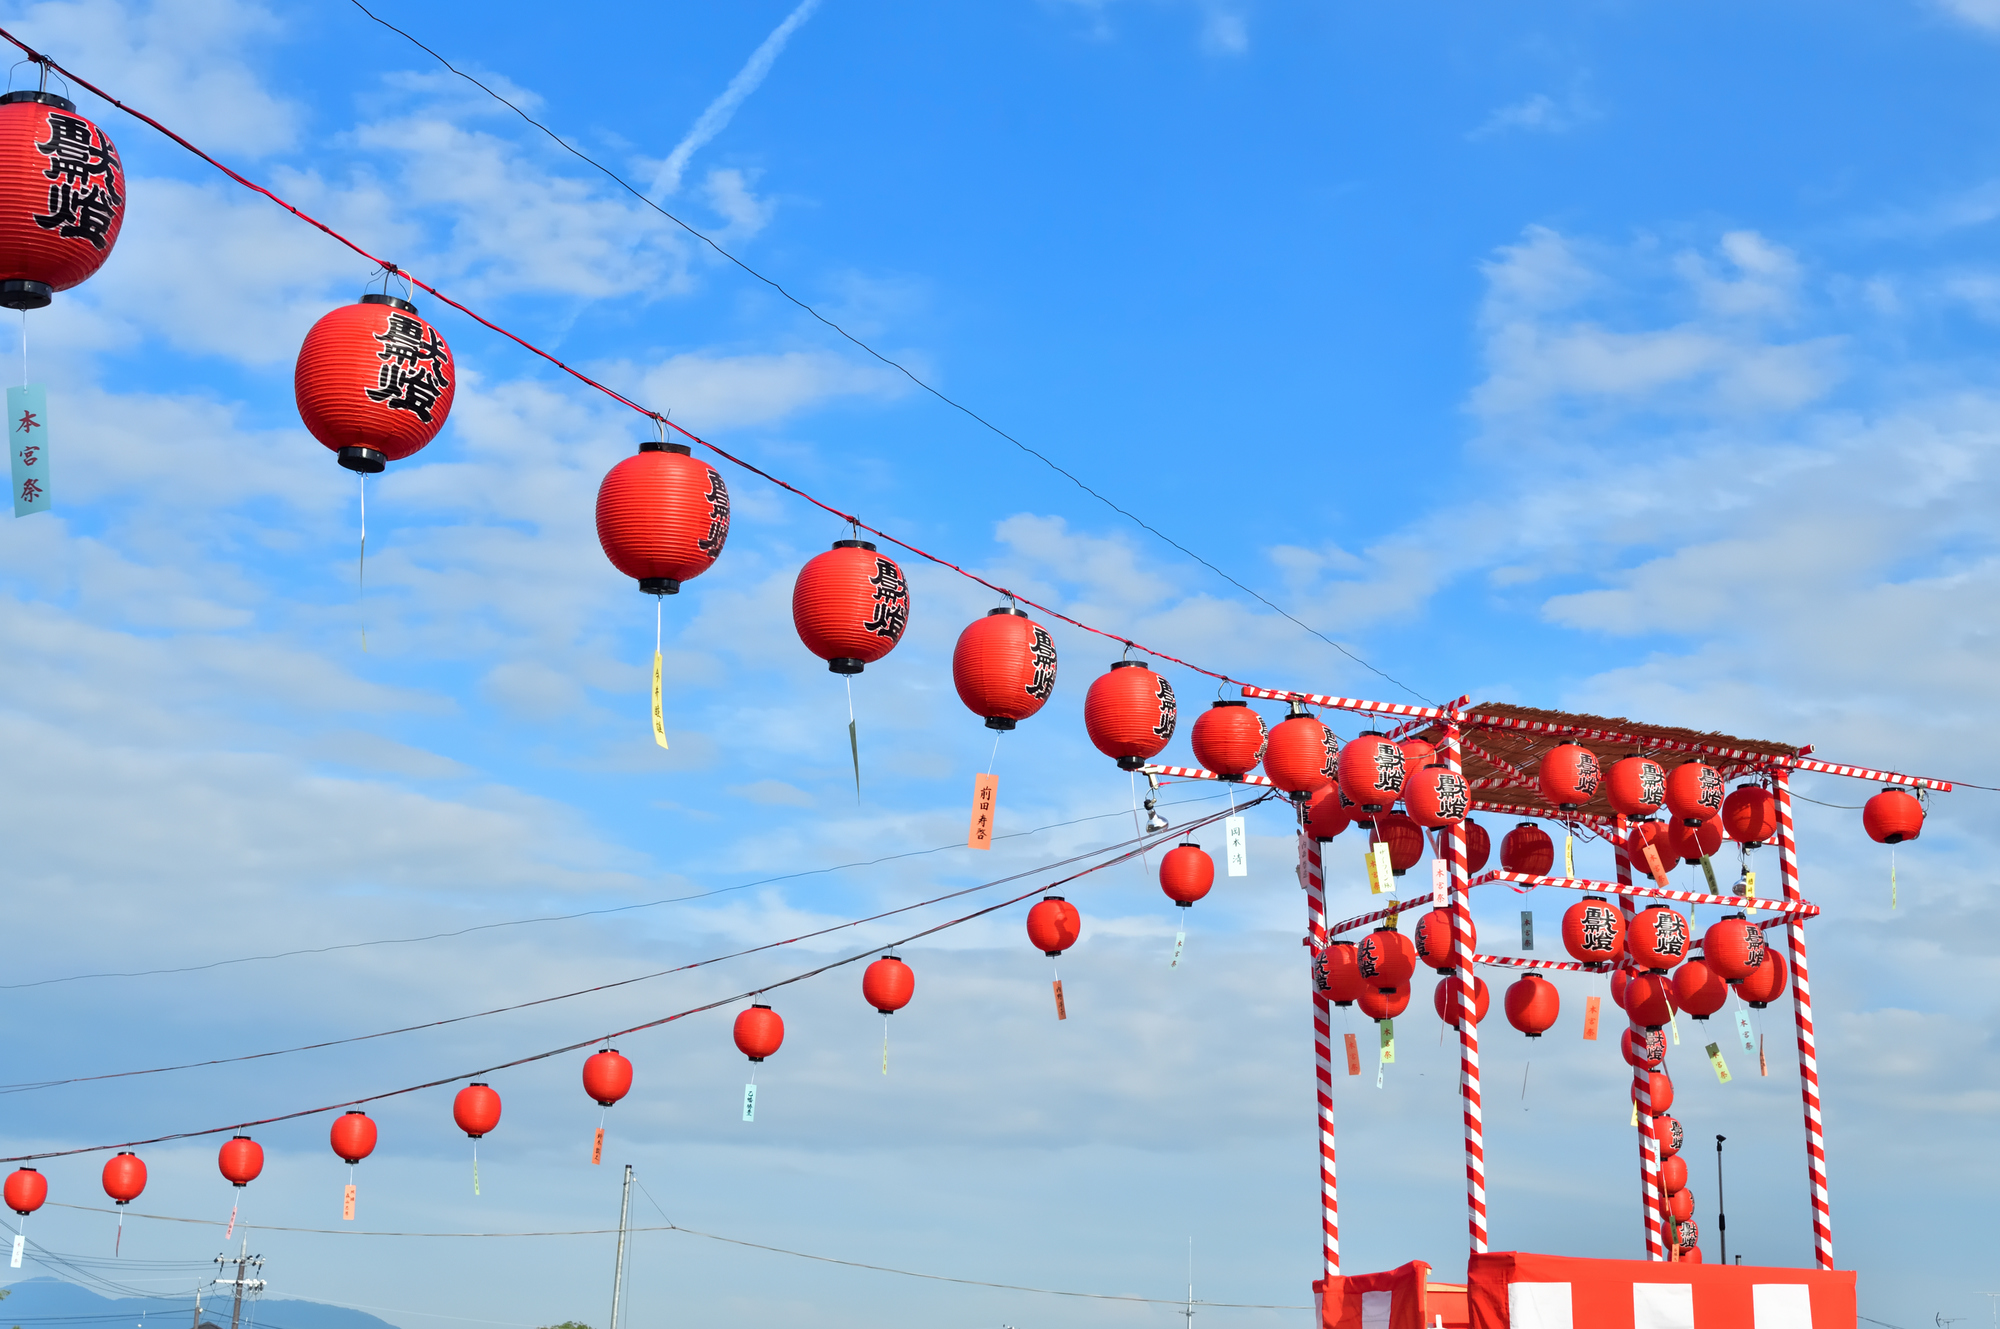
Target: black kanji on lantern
[
  {"x": 1169, "y": 709},
  {"x": 1454, "y": 799},
  {"x": 1670, "y": 933},
  {"x": 1388, "y": 767},
  {"x": 1652, "y": 784},
  {"x": 85, "y": 173},
  {"x": 891, "y": 611},
  {"x": 1044, "y": 649},
  {"x": 411, "y": 377},
  {"x": 1754, "y": 948},
  {"x": 1598, "y": 934},
  {"x": 1329, "y": 742},
  {"x": 718, "y": 517}
]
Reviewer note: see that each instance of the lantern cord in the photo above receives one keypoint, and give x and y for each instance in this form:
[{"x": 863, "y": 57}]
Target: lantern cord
[
  {"x": 24, "y": 348},
  {"x": 994, "y": 759},
  {"x": 853, "y": 743}
]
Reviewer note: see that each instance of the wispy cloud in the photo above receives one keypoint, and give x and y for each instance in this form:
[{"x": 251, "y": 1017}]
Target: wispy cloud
[
  {"x": 716, "y": 118},
  {"x": 1538, "y": 114},
  {"x": 1979, "y": 13}
]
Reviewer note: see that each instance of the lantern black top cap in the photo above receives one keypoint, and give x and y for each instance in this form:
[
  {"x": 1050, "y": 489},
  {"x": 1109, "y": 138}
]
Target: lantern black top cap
[
  {"x": 1052, "y": 897},
  {"x": 393, "y": 301},
  {"x": 1007, "y": 609},
  {"x": 759, "y": 1006},
  {"x": 655, "y": 445},
  {"x": 1594, "y": 897},
  {"x": 1369, "y": 733},
  {"x": 1128, "y": 664},
  {"x": 46, "y": 99},
  {"x": 1214, "y": 705},
  {"x": 854, "y": 544}
]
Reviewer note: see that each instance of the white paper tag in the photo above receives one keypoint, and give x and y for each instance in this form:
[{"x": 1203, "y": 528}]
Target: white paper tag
[
  {"x": 1527, "y": 930},
  {"x": 20, "y": 1241},
  {"x": 1440, "y": 884},
  {"x": 1743, "y": 1030},
  {"x": 1180, "y": 940},
  {"x": 749, "y": 1102},
  {"x": 1239, "y": 848},
  {"x": 1381, "y": 872}
]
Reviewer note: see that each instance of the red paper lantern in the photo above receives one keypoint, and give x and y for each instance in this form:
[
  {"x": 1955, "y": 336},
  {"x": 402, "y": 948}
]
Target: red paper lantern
[
  {"x": 1681, "y": 1204},
  {"x": 1688, "y": 1232},
  {"x": 1620, "y": 980},
  {"x": 1765, "y": 984},
  {"x": 1417, "y": 753},
  {"x": 374, "y": 382},
  {"x": 1693, "y": 843},
  {"x": 1384, "y": 1003},
  {"x": 1593, "y": 930},
  {"x": 352, "y": 1136},
  {"x": 1893, "y": 816},
  {"x": 1528, "y": 849},
  {"x": 1404, "y": 838},
  {"x": 1750, "y": 815},
  {"x": 1657, "y": 938},
  {"x": 1570, "y": 775},
  {"x": 1660, "y": 1092},
  {"x": 1636, "y": 786},
  {"x": 607, "y": 1077},
  {"x": 1445, "y": 998},
  {"x": 62, "y": 189},
  {"x": 1532, "y": 1004},
  {"x": 850, "y": 605},
  {"x": 1302, "y": 755},
  {"x": 1644, "y": 1049},
  {"x": 1437, "y": 796},
  {"x": 1326, "y": 814},
  {"x": 1130, "y": 713},
  {"x": 1434, "y": 940},
  {"x": 662, "y": 517},
  {"x": 1386, "y": 959},
  {"x": 759, "y": 1032},
  {"x": 1478, "y": 845},
  {"x": 25, "y": 1190},
  {"x": 888, "y": 985},
  {"x": 240, "y": 1159},
  {"x": 1667, "y": 1134},
  {"x": 1673, "y": 1171},
  {"x": 1229, "y": 739},
  {"x": 1337, "y": 973},
  {"x": 1004, "y": 667},
  {"x": 1733, "y": 946},
  {"x": 1186, "y": 873},
  {"x": 476, "y": 1109},
  {"x": 1371, "y": 772},
  {"x": 1699, "y": 990},
  {"x": 1054, "y": 925},
  {"x": 1647, "y": 1000},
  {"x": 124, "y": 1177},
  {"x": 1694, "y": 792}
]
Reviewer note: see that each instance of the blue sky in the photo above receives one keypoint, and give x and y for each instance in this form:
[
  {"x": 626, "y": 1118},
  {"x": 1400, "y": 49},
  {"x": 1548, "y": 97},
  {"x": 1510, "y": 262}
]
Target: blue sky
[{"x": 1611, "y": 356}]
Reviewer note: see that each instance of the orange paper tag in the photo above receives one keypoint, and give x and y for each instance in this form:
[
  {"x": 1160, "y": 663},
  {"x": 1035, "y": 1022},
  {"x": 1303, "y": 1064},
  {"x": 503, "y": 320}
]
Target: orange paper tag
[
  {"x": 1353, "y": 1056},
  {"x": 985, "y": 792},
  {"x": 597, "y": 1147},
  {"x": 347, "y": 1203},
  {"x": 1062, "y": 1013},
  {"x": 1591, "y": 1005},
  {"x": 1652, "y": 857}
]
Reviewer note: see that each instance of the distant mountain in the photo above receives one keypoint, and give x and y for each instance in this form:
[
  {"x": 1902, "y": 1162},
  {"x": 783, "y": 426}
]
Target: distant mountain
[{"x": 48, "y": 1303}]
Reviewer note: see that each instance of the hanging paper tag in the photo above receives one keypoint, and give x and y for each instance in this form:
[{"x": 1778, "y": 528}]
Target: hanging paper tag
[
  {"x": 1743, "y": 1030},
  {"x": 750, "y": 1094},
  {"x": 1652, "y": 857},
  {"x": 1763, "y": 1067},
  {"x": 1591, "y": 1006},
  {"x": 1674, "y": 1024},
  {"x": 1440, "y": 884},
  {"x": 28, "y": 446},
  {"x": 230, "y": 1231},
  {"x": 1569, "y": 854},
  {"x": 1239, "y": 846},
  {"x": 1749, "y": 884},
  {"x": 1381, "y": 873},
  {"x": 1180, "y": 940},
  {"x": 597, "y": 1148},
  {"x": 985, "y": 793},
  {"x": 475, "y": 1178},
  {"x": 1353, "y": 1055},
  {"x": 1715, "y": 1060},
  {"x": 1388, "y": 1040},
  {"x": 1708, "y": 870},
  {"x": 1062, "y": 1012},
  {"x": 1527, "y": 930},
  {"x": 1635, "y": 1112},
  {"x": 347, "y": 1203},
  {"x": 659, "y": 712},
  {"x": 20, "y": 1239},
  {"x": 1892, "y": 878}
]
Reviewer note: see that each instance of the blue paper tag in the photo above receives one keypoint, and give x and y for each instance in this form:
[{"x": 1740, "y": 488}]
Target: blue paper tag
[
  {"x": 28, "y": 448},
  {"x": 749, "y": 1102},
  {"x": 1743, "y": 1030}
]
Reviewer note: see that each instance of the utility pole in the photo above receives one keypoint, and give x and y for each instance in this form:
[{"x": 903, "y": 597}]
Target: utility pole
[
  {"x": 618, "y": 1269},
  {"x": 1188, "y": 1314},
  {"x": 197, "y": 1306},
  {"x": 1721, "y": 1222},
  {"x": 244, "y": 1261},
  {"x": 1995, "y": 1298}
]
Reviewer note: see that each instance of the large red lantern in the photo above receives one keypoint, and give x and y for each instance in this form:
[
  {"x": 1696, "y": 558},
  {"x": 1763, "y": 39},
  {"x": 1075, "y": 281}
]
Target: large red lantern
[
  {"x": 1657, "y": 938},
  {"x": 1435, "y": 932},
  {"x": 759, "y": 1032},
  {"x": 1302, "y": 754},
  {"x": 1667, "y": 1133},
  {"x": 888, "y": 984},
  {"x": 1186, "y": 873},
  {"x": 352, "y": 1136},
  {"x": 1660, "y": 1097},
  {"x": 1647, "y": 1000},
  {"x": 1437, "y": 796},
  {"x": 25, "y": 1190},
  {"x": 1636, "y": 786},
  {"x": 1593, "y": 931},
  {"x": 1699, "y": 990},
  {"x": 1004, "y": 667},
  {"x": 1387, "y": 958},
  {"x": 240, "y": 1160},
  {"x": 1673, "y": 1170},
  {"x": 1620, "y": 980},
  {"x": 1404, "y": 838},
  {"x": 1130, "y": 713},
  {"x": 1527, "y": 849},
  {"x": 1337, "y": 973},
  {"x": 1694, "y": 792},
  {"x": 850, "y": 605},
  {"x": 124, "y": 1177},
  {"x": 1733, "y": 946},
  {"x": 1371, "y": 772},
  {"x": 1054, "y": 925},
  {"x": 1327, "y": 813},
  {"x": 1893, "y": 816},
  {"x": 1693, "y": 843},
  {"x": 1229, "y": 739},
  {"x": 1532, "y": 1004},
  {"x": 1645, "y": 1049},
  {"x": 1447, "y": 1001},
  {"x": 374, "y": 382},
  {"x": 1764, "y": 984},
  {"x": 1570, "y": 776},
  {"x": 1750, "y": 815},
  {"x": 662, "y": 516},
  {"x": 1478, "y": 846},
  {"x": 476, "y": 1109},
  {"x": 1384, "y": 1003},
  {"x": 62, "y": 196},
  {"x": 607, "y": 1077}
]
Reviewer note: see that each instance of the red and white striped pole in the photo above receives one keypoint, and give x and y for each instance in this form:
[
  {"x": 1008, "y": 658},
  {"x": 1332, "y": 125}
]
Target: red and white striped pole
[
  {"x": 1468, "y": 1032},
  {"x": 1652, "y": 1201},
  {"x": 1795, "y": 934},
  {"x": 1312, "y": 875}
]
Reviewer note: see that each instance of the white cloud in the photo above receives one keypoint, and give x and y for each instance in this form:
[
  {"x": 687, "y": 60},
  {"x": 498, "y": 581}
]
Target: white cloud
[
  {"x": 1537, "y": 113},
  {"x": 721, "y": 391},
  {"x": 716, "y": 117},
  {"x": 1225, "y": 31},
  {"x": 1978, "y": 13}
]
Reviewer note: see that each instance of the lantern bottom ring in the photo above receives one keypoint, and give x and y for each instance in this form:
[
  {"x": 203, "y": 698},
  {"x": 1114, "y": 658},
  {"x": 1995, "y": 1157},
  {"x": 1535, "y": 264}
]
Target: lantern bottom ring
[
  {"x": 366, "y": 460},
  {"x": 845, "y": 665},
  {"x": 1000, "y": 722},
  {"x": 22, "y": 294},
  {"x": 659, "y": 586},
  {"x": 1139, "y": 763}
]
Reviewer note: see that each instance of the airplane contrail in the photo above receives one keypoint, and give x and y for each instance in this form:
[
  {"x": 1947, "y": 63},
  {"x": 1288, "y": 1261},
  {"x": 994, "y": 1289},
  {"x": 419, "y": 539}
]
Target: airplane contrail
[{"x": 716, "y": 118}]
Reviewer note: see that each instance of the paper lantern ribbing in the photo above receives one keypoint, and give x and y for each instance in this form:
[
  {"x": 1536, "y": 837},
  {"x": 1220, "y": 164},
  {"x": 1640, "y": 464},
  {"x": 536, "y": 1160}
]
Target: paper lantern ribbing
[
  {"x": 1667, "y": 1133},
  {"x": 1384, "y": 1003},
  {"x": 1478, "y": 845},
  {"x": 1327, "y": 813},
  {"x": 1636, "y": 786},
  {"x": 1371, "y": 772},
  {"x": 1054, "y": 925},
  {"x": 62, "y": 198},
  {"x": 1750, "y": 815},
  {"x": 240, "y": 1160},
  {"x": 1593, "y": 931},
  {"x": 850, "y": 605},
  {"x": 1186, "y": 873},
  {"x": 607, "y": 1077},
  {"x": 1527, "y": 849},
  {"x": 1694, "y": 792},
  {"x": 1435, "y": 936},
  {"x": 1437, "y": 796},
  {"x": 1448, "y": 1002},
  {"x": 1699, "y": 990},
  {"x": 1765, "y": 984},
  {"x": 1893, "y": 816},
  {"x": 1660, "y": 1093},
  {"x": 1691, "y": 844},
  {"x": 374, "y": 382},
  {"x": 1532, "y": 1004},
  {"x": 1673, "y": 1171},
  {"x": 888, "y": 984},
  {"x": 1004, "y": 667},
  {"x": 1130, "y": 713},
  {"x": 476, "y": 1109},
  {"x": 662, "y": 517},
  {"x": 1229, "y": 739},
  {"x": 759, "y": 1032},
  {"x": 1647, "y": 1000},
  {"x": 1681, "y": 1204},
  {"x": 1404, "y": 838},
  {"x": 1644, "y": 1048},
  {"x": 352, "y": 1136},
  {"x": 1337, "y": 973},
  {"x": 1570, "y": 775},
  {"x": 1387, "y": 959},
  {"x": 25, "y": 1190},
  {"x": 1657, "y": 938},
  {"x": 124, "y": 1177},
  {"x": 1732, "y": 947},
  {"x": 1302, "y": 755}
]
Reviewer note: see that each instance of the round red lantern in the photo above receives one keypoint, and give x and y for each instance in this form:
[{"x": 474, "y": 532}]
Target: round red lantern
[
  {"x": 1445, "y": 998},
  {"x": 1636, "y": 786},
  {"x": 1384, "y": 1003},
  {"x": 607, "y": 1077},
  {"x": 850, "y": 605},
  {"x": 1673, "y": 1170},
  {"x": 1371, "y": 771},
  {"x": 62, "y": 188},
  {"x": 1417, "y": 753},
  {"x": 1186, "y": 873},
  {"x": 374, "y": 382},
  {"x": 352, "y": 1136},
  {"x": 1694, "y": 792},
  {"x": 1733, "y": 946},
  {"x": 1130, "y": 713},
  {"x": 1386, "y": 958},
  {"x": 1660, "y": 1093},
  {"x": 1681, "y": 1204},
  {"x": 1693, "y": 843},
  {"x": 1532, "y": 1004},
  {"x": 1657, "y": 938},
  {"x": 1893, "y": 816},
  {"x": 1688, "y": 1233},
  {"x": 1570, "y": 775},
  {"x": 25, "y": 1190},
  {"x": 1404, "y": 838},
  {"x": 662, "y": 517},
  {"x": 1326, "y": 814},
  {"x": 1527, "y": 849},
  {"x": 1750, "y": 815},
  {"x": 1434, "y": 940},
  {"x": 1645, "y": 833},
  {"x": 1644, "y": 1049},
  {"x": 1054, "y": 925},
  {"x": 1229, "y": 739},
  {"x": 1647, "y": 1000},
  {"x": 1620, "y": 980},
  {"x": 1593, "y": 930},
  {"x": 124, "y": 1177},
  {"x": 759, "y": 1032},
  {"x": 1302, "y": 755},
  {"x": 1337, "y": 973},
  {"x": 888, "y": 984},
  {"x": 1478, "y": 845},
  {"x": 1437, "y": 796},
  {"x": 240, "y": 1159},
  {"x": 476, "y": 1109},
  {"x": 1004, "y": 667},
  {"x": 1667, "y": 1134},
  {"x": 1699, "y": 990},
  {"x": 1764, "y": 984}
]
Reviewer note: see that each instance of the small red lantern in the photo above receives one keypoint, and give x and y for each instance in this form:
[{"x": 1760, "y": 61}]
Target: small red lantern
[
  {"x": 25, "y": 1190},
  {"x": 1647, "y": 1000},
  {"x": 1371, "y": 772},
  {"x": 374, "y": 382},
  {"x": 662, "y": 517},
  {"x": 1644, "y": 1049},
  {"x": 1593, "y": 931},
  {"x": 1765, "y": 984},
  {"x": 759, "y": 1032},
  {"x": 1229, "y": 739},
  {"x": 1417, "y": 753},
  {"x": 1004, "y": 667},
  {"x": 1699, "y": 990},
  {"x": 1733, "y": 947},
  {"x": 1053, "y": 925},
  {"x": 1527, "y": 849},
  {"x": 1478, "y": 846},
  {"x": 1636, "y": 786},
  {"x": 1750, "y": 815},
  {"x": 1673, "y": 1170},
  {"x": 1694, "y": 792},
  {"x": 888, "y": 985},
  {"x": 1326, "y": 814},
  {"x": 1570, "y": 775},
  {"x": 1337, "y": 973},
  {"x": 1681, "y": 1204},
  {"x": 1384, "y": 1003},
  {"x": 1620, "y": 980},
  {"x": 1693, "y": 843},
  {"x": 1660, "y": 1095},
  {"x": 1387, "y": 959},
  {"x": 1893, "y": 816},
  {"x": 1667, "y": 1133},
  {"x": 1532, "y": 1004},
  {"x": 1186, "y": 873},
  {"x": 850, "y": 605},
  {"x": 1688, "y": 1232},
  {"x": 1302, "y": 755},
  {"x": 1437, "y": 796},
  {"x": 1445, "y": 998},
  {"x": 476, "y": 1109},
  {"x": 1130, "y": 713},
  {"x": 1404, "y": 838},
  {"x": 63, "y": 191},
  {"x": 607, "y": 1077},
  {"x": 1434, "y": 940},
  {"x": 240, "y": 1159},
  {"x": 352, "y": 1136},
  {"x": 1658, "y": 938},
  {"x": 124, "y": 1177}
]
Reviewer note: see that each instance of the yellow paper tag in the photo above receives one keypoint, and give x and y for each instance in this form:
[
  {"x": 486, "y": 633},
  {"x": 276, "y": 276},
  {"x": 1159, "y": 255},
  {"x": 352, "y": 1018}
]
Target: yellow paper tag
[
  {"x": 1591, "y": 1005},
  {"x": 1062, "y": 1012},
  {"x": 347, "y": 1203},
  {"x": 1388, "y": 1040},
  {"x": 1715, "y": 1060},
  {"x": 1569, "y": 855},
  {"x": 1673, "y": 1023},
  {"x": 1635, "y": 1112},
  {"x": 1353, "y": 1056},
  {"x": 597, "y": 1147},
  {"x": 1749, "y": 885},
  {"x": 659, "y": 714},
  {"x": 985, "y": 795}
]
